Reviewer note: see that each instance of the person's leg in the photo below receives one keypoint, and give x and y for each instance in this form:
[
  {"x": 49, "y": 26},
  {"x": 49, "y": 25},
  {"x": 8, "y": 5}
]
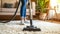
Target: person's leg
[
  {"x": 23, "y": 11},
  {"x": 25, "y": 20},
  {"x": 22, "y": 15}
]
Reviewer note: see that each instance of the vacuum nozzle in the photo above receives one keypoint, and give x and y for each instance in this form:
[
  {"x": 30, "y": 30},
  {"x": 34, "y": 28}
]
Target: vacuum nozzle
[{"x": 31, "y": 28}]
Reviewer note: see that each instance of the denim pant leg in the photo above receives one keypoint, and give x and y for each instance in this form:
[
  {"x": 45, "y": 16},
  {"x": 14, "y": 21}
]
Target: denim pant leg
[{"x": 23, "y": 8}]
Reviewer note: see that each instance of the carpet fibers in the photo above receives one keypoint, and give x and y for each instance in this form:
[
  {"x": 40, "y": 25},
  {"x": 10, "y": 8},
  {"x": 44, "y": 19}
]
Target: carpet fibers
[{"x": 14, "y": 27}]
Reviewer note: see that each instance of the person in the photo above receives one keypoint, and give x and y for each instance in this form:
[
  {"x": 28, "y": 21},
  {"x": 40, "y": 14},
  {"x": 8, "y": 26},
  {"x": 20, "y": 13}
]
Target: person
[{"x": 23, "y": 11}]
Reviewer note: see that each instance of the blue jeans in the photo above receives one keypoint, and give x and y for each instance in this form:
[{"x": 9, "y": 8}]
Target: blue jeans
[{"x": 23, "y": 8}]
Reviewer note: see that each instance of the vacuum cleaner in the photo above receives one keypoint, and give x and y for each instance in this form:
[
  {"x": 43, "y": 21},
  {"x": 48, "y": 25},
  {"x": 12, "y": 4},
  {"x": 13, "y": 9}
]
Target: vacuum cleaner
[
  {"x": 28, "y": 28},
  {"x": 31, "y": 27}
]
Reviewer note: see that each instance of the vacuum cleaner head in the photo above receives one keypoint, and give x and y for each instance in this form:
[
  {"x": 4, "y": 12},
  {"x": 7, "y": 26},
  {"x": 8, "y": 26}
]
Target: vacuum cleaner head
[{"x": 31, "y": 28}]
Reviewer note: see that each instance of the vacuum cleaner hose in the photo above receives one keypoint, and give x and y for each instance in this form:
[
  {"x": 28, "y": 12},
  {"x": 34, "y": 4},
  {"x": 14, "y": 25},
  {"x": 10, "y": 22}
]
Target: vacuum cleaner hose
[{"x": 12, "y": 16}]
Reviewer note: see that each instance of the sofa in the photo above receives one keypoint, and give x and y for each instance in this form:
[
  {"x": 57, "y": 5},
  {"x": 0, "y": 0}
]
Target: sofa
[{"x": 10, "y": 11}]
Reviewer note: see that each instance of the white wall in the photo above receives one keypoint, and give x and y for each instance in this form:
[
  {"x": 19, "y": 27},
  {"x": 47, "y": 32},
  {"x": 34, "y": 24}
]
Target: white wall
[{"x": 52, "y": 4}]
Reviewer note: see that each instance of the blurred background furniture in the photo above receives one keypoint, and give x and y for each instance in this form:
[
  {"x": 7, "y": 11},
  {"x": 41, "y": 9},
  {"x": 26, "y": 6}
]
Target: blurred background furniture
[{"x": 8, "y": 7}]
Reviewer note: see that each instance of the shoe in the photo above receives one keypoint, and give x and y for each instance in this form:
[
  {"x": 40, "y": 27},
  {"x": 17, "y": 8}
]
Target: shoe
[
  {"x": 26, "y": 22},
  {"x": 21, "y": 23}
]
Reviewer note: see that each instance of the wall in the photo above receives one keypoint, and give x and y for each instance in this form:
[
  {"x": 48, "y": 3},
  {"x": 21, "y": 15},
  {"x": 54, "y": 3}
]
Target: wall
[
  {"x": 58, "y": 6},
  {"x": 55, "y": 3}
]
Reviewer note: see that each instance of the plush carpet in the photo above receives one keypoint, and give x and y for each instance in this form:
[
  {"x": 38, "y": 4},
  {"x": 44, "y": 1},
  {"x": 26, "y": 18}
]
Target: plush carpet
[{"x": 14, "y": 27}]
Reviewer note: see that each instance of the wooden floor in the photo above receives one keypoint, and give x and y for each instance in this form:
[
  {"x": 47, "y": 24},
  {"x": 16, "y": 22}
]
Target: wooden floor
[
  {"x": 55, "y": 21},
  {"x": 7, "y": 17}
]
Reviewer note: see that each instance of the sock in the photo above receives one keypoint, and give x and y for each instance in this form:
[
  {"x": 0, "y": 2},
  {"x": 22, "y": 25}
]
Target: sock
[
  {"x": 22, "y": 20},
  {"x": 25, "y": 20}
]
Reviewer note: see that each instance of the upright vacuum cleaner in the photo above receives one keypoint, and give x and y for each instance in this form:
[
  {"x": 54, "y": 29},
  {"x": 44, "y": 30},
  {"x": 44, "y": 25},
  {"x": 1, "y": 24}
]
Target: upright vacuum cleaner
[
  {"x": 28, "y": 28},
  {"x": 31, "y": 27}
]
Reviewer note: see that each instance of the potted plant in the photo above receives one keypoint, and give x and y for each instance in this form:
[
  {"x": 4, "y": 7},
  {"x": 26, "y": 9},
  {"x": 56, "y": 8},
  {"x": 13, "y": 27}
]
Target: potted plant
[{"x": 42, "y": 4}]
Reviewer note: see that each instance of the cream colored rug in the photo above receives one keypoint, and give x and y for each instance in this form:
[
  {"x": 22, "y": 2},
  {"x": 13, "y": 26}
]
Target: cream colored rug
[{"x": 13, "y": 27}]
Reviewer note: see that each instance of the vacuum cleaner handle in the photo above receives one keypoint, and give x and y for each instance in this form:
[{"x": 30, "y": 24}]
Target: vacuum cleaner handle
[{"x": 30, "y": 10}]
